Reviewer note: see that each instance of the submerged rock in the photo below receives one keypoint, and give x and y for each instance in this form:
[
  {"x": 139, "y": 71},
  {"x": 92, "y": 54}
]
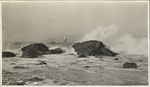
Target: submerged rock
[
  {"x": 56, "y": 51},
  {"x": 19, "y": 67},
  {"x": 8, "y": 54},
  {"x": 19, "y": 83},
  {"x": 71, "y": 54},
  {"x": 80, "y": 56},
  {"x": 42, "y": 63},
  {"x": 87, "y": 66},
  {"x": 140, "y": 60},
  {"x": 92, "y": 48},
  {"x": 116, "y": 59},
  {"x": 129, "y": 65},
  {"x": 34, "y": 50},
  {"x": 56, "y": 81}
]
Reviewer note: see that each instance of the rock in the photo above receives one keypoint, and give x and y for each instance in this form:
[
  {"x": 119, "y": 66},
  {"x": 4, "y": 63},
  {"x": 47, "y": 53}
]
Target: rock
[
  {"x": 140, "y": 60},
  {"x": 36, "y": 47},
  {"x": 92, "y": 48},
  {"x": 19, "y": 67},
  {"x": 56, "y": 81},
  {"x": 42, "y": 63},
  {"x": 108, "y": 52},
  {"x": 71, "y": 54},
  {"x": 56, "y": 51},
  {"x": 116, "y": 59},
  {"x": 87, "y": 66},
  {"x": 53, "y": 42},
  {"x": 89, "y": 48},
  {"x": 8, "y": 54},
  {"x": 30, "y": 54},
  {"x": 34, "y": 50},
  {"x": 129, "y": 65},
  {"x": 80, "y": 56}
]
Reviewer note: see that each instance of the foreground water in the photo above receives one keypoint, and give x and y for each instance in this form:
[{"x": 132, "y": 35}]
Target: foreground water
[{"x": 68, "y": 69}]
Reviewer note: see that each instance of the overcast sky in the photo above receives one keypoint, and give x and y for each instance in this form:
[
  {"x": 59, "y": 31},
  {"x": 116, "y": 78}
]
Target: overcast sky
[{"x": 41, "y": 21}]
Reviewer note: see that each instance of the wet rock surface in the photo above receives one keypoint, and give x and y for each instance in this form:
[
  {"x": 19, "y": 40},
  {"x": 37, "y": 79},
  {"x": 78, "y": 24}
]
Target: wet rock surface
[
  {"x": 19, "y": 67},
  {"x": 87, "y": 66},
  {"x": 92, "y": 48},
  {"x": 129, "y": 65},
  {"x": 107, "y": 52},
  {"x": 30, "y": 54},
  {"x": 81, "y": 56},
  {"x": 36, "y": 47},
  {"x": 42, "y": 63},
  {"x": 34, "y": 50},
  {"x": 55, "y": 51},
  {"x": 116, "y": 59},
  {"x": 8, "y": 54}
]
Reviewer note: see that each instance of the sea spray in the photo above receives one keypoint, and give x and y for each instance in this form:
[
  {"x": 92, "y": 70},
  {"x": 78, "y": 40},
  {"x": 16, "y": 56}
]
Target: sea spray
[
  {"x": 118, "y": 40},
  {"x": 12, "y": 47},
  {"x": 66, "y": 49}
]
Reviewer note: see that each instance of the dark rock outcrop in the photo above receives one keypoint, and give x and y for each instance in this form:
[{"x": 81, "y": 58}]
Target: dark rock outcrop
[
  {"x": 55, "y": 51},
  {"x": 36, "y": 47},
  {"x": 129, "y": 65},
  {"x": 30, "y": 54},
  {"x": 88, "y": 47},
  {"x": 34, "y": 50},
  {"x": 92, "y": 48},
  {"x": 8, "y": 54},
  {"x": 107, "y": 52}
]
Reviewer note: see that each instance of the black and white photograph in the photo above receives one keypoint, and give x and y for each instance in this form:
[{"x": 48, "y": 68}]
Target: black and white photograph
[{"x": 75, "y": 43}]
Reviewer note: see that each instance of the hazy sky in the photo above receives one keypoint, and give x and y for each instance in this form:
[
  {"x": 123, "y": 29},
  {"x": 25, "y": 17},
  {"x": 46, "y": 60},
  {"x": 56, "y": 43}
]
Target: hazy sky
[{"x": 41, "y": 21}]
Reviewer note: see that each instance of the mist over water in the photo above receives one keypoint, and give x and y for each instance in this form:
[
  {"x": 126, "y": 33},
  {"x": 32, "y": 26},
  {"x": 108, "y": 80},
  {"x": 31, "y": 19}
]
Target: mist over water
[{"x": 118, "y": 40}]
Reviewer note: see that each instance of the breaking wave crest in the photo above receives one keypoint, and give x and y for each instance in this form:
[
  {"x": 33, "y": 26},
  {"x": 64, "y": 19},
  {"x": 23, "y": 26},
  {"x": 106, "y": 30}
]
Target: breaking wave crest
[{"x": 118, "y": 40}]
